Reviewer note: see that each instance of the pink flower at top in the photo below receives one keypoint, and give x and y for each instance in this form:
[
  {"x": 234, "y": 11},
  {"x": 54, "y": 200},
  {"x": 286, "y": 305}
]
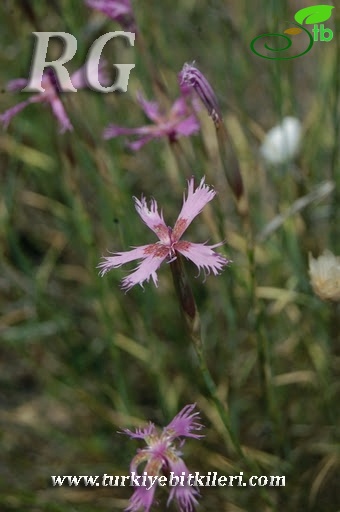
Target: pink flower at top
[
  {"x": 179, "y": 121},
  {"x": 51, "y": 95},
  {"x": 117, "y": 10},
  {"x": 170, "y": 243},
  {"x": 161, "y": 457}
]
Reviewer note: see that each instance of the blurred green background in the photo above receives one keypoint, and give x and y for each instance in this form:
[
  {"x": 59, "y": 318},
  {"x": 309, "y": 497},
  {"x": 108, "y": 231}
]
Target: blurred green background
[{"x": 79, "y": 359}]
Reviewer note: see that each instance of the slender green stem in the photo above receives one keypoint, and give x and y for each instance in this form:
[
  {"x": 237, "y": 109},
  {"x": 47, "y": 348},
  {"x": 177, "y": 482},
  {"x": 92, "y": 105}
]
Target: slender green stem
[{"x": 192, "y": 320}]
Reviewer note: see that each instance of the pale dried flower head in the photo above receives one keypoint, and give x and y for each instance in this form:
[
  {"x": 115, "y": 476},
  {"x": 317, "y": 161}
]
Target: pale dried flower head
[
  {"x": 324, "y": 274},
  {"x": 282, "y": 143}
]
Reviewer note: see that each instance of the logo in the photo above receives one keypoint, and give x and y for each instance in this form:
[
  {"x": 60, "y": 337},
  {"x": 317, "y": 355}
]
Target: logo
[{"x": 314, "y": 15}]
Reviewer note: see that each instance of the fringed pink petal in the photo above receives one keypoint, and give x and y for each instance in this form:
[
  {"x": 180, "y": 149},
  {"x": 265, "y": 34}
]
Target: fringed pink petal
[
  {"x": 145, "y": 133},
  {"x": 113, "y": 130},
  {"x": 112, "y": 8},
  {"x": 179, "y": 108},
  {"x": 152, "y": 218},
  {"x": 185, "y": 495},
  {"x": 146, "y": 269},
  {"x": 188, "y": 126},
  {"x": 141, "y": 433},
  {"x": 203, "y": 256},
  {"x": 184, "y": 423},
  {"x": 136, "y": 145},
  {"x": 120, "y": 258},
  {"x": 192, "y": 205},
  {"x": 8, "y": 115},
  {"x": 60, "y": 113},
  {"x": 150, "y": 108},
  {"x": 16, "y": 85},
  {"x": 141, "y": 499}
]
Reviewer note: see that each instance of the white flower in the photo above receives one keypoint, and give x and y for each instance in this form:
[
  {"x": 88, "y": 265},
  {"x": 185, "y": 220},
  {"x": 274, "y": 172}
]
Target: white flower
[
  {"x": 324, "y": 274},
  {"x": 282, "y": 143}
]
